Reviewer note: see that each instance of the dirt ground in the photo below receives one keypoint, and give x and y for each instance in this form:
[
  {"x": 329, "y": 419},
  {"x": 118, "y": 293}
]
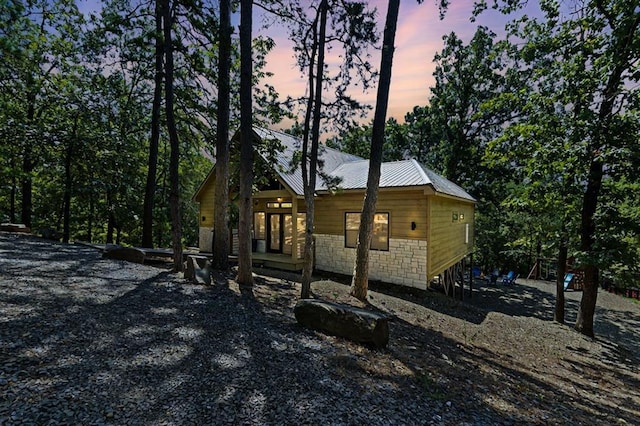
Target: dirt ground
[
  {"x": 500, "y": 346},
  {"x": 85, "y": 340}
]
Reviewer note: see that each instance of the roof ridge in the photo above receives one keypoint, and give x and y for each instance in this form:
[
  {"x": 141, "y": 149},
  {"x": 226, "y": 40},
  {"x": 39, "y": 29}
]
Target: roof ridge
[{"x": 422, "y": 172}]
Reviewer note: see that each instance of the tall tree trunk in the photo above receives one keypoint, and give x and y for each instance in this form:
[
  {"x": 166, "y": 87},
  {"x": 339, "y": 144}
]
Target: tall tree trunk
[
  {"x": 245, "y": 275},
  {"x": 558, "y": 315},
  {"x": 28, "y": 163},
  {"x": 174, "y": 156},
  {"x": 624, "y": 24},
  {"x": 584, "y": 321},
  {"x": 152, "y": 162},
  {"x": 68, "y": 181},
  {"x": 111, "y": 217},
  {"x": 92, "y": 208},
  {"x": 221, "y": 207},
  {"x": 12, "y": 203},
  {"x": 359, "y": 284},
  {"x": 67, "y": 195},
  {"x": 310, "y": 189}
]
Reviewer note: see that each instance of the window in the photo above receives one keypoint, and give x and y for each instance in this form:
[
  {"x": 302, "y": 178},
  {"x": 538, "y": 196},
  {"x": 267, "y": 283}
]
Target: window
[
  {"x": 259, "y": 226},
  {"x": 380, "y": 237}
]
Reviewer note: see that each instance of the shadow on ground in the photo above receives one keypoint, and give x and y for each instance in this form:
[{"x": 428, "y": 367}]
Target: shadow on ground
[{"x": 85, "y": 340}]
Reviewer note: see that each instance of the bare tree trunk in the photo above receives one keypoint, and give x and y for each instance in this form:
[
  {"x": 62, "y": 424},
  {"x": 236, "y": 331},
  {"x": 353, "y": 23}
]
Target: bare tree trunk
[
  {"x": 152, "y": 163},
  {"x": 174, "y": 157},
  {"x": 28, "y": 166},
  {"x": 27, "y": 187},
  {"x": 92, "y": 208},
  {"x": 221, "y": 207},
  {"x": 68, "y": 182},
  {"x": 245, "y": 274},
  {"x": 310, "y": 189},
  {"x": 12, "y": 206},
  {"x": 584, "y": 321},
  {"x": 111, "y": 219},
  {"x": 359, "y": 284}
]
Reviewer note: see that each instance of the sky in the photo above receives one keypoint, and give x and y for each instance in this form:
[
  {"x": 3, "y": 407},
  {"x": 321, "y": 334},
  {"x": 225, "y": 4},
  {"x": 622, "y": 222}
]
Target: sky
[{"x": 418, "y": 38}]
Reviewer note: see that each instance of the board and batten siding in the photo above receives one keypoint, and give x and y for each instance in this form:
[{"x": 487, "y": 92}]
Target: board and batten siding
[
  {"x": 448, "y": 241},
  {"x": 403, "y": 206},
  {"x": 206, "y": 201}
]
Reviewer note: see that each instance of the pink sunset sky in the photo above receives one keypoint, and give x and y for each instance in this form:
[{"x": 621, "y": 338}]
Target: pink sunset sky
[{"x": 418, "y": 38}]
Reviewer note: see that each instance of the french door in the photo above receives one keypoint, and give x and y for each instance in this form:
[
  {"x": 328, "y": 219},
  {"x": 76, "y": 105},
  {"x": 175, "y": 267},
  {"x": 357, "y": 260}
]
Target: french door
[{"x": 280, "y": 233}]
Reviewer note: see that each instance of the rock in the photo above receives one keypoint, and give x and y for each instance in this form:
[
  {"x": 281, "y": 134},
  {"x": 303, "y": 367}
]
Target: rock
[
  {"x": 14, "y": 227},
  {"x": 130, "y": 254},
  {"x": 198, "y": 270},
  {"x": 356, "y": 324}
]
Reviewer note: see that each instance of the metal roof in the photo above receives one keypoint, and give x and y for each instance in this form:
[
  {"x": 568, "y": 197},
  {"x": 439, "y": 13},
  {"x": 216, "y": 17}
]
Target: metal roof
[{"x": 353, "y": 170}]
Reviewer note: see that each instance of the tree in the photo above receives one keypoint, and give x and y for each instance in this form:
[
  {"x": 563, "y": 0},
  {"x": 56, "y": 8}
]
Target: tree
[
  {"x": 245, "y": 275},
  {"x": 37, "y": 40},
  {"x": 359, "y": 284},
  {"x": 174, "y": 177},
  {"x": 154, "y": 141},
  {"x": 619, "y": 55},
  {"x": 586, "y": 61},
  {"x": 316, "y": 28},
  {"x": 221, "y": 209},
  {"x": 309, "y": 169}
]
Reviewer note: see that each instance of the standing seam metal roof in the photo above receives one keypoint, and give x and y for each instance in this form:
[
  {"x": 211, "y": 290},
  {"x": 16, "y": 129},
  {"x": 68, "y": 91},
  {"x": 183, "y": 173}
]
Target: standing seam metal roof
[{"x": 353, "y": 170}]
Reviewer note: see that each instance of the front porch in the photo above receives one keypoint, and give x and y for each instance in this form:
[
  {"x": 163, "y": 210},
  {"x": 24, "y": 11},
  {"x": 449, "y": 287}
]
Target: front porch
[{"x": 272, "y": 260}]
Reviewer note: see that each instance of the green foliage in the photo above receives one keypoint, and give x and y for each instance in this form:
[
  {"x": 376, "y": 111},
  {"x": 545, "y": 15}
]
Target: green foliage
[{"x": 75, "y": 98}]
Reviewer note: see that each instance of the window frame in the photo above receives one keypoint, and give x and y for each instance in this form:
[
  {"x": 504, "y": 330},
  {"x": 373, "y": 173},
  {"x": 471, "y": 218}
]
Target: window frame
[{"x": 346, "y": 230}]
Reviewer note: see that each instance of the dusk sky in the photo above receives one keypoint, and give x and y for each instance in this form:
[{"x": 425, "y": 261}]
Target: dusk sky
[{"x": 418, "y": 38}]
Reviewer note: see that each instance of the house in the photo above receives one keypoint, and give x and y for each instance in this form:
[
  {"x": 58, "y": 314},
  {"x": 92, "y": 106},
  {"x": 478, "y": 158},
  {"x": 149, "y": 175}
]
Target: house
[{"x": 423, "y": 226}]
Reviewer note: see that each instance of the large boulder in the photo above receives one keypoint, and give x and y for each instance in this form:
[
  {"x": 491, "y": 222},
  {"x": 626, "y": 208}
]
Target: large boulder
[
  {"x": 198, "y": 269},
  {"x": 130, "y": 254},
  {"x": 356, "y": 324}
]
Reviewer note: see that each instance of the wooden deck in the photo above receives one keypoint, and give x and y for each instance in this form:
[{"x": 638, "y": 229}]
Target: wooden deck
[{"x": 267, "y": 260}]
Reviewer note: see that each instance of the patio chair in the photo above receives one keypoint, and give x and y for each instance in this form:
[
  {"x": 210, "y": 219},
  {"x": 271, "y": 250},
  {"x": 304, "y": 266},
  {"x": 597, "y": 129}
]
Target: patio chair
[
  {"x": 510, "y": 278},
  {"x": 568, "y": 277}
]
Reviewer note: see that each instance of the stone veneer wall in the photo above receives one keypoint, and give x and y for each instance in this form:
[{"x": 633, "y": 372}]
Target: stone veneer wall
[
  {"x": 405, "y": 263},
  {"x": 205, "y": 239}
]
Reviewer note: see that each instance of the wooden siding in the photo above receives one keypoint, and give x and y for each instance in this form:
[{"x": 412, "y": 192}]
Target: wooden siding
[
  {"x": 206, "y": 201},
  {"x": 447, "y": 244},
  {"x": 403, "y": 206}
]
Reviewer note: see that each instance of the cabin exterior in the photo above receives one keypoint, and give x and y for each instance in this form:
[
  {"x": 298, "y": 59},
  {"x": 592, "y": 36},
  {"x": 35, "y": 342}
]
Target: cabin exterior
[{"x": 423, "y": 224}]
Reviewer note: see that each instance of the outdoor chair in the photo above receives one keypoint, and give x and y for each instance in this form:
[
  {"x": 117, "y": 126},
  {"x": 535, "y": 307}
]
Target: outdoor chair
[
  {"x": 568, "y": 277},
  {"x": 510, "y": 278}
]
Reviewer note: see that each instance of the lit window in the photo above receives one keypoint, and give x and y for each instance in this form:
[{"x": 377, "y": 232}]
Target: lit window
[
  {"x": 259, "y": 226},
  {"x": 380, "y": 237}
]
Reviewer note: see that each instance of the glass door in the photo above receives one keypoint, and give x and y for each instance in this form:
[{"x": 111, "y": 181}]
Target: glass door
[{"x": 275, "y": 233}]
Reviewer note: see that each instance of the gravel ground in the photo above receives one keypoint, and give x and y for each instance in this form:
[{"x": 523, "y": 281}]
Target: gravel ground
[{"x": 84, "y": 340}]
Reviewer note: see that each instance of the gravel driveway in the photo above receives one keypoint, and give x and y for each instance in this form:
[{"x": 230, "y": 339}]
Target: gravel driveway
[
  {"x": 85, "y": 340},
  {"x": 90, "y": 341}
]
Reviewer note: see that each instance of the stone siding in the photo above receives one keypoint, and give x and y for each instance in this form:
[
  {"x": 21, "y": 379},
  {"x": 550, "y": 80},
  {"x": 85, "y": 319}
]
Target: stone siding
[
  {"x": 205, "y": 239},
  {"x": 405, "y": 263}
]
